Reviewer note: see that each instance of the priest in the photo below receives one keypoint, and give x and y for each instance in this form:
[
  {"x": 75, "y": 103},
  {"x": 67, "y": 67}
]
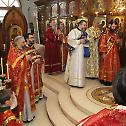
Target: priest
[
  {"x": 37, "y": 65},
  {"x": 53, "y": 61},
  {"x": 109, "y": 62},
  {"x": 76, "y": 62},
  {"x": 18, "y": 61}
]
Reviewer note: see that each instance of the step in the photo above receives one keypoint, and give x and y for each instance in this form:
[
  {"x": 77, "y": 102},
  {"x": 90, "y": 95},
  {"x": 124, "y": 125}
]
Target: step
[
  {"x": 69, "y": 109},
  {"x": 80, "y": 99},
  {"x": 41, "y": 118},
  {"x": 55, "y": 113},
  {"x": 60, "y": 79},
  {"x": 47, "y": 92},
  {"x": 51, "y": 84}
]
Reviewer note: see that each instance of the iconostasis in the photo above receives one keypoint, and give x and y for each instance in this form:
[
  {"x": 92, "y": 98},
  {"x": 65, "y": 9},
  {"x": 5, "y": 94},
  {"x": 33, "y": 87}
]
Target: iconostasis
[{"x": 67, "y": 12}]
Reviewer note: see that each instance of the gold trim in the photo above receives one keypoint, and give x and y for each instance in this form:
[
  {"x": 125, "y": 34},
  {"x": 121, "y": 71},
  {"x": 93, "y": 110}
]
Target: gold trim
[
  {"x": 15, "y": 62},
  {"x": 112, "y": 44},
  {"x": 19, "y": 81},
  {"x": 17, "y": 90},
  {"x": 21, "y": 57},
  {"x": 8, "y": 120}
]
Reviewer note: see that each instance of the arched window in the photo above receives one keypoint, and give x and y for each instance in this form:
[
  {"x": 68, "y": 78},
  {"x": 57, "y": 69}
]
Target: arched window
[{"x": 5, "y": 5}]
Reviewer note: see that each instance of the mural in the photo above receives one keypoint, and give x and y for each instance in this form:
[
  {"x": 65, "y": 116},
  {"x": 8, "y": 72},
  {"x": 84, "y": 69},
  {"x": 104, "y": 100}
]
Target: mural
[
  {"x": 72, "y": 8},
  {"x": 62, "y": 9},
  {"x": 83, "y": 6},
  {"x": 98, "y": 6},
  {"x": 14, "y": 31},
  {"x": 54, "y": 10},
  {"x": 48, "y": 11}
]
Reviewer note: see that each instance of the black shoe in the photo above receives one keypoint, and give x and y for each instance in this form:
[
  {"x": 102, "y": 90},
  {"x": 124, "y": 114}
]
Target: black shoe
[
  {"x": 50, "y": 73},
  {"x": 28, "y": 120},
  {"x": 106, "y": 83}
]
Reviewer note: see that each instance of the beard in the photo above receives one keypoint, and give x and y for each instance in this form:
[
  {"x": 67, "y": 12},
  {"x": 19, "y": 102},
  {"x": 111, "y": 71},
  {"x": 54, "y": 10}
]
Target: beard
[
  {"x": 113, "y": 30},
  {"x": 30, "y": 43},
  {"x": 22, "y": 47},
  {"x": 54, "y": 27}
]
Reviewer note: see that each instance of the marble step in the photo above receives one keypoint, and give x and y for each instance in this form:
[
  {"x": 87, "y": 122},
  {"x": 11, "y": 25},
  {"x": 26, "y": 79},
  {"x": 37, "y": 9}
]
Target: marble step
[
  {"x": 51, "y": 84},
  {"x": 55, "y": 113},
  {"x": 79, "y": 98},
  {"x": 69, "y": 109},
  {"x": 47, "y": 92},
  {"x": 41, "y": 118},
  {"x": 59, "y": 78}
]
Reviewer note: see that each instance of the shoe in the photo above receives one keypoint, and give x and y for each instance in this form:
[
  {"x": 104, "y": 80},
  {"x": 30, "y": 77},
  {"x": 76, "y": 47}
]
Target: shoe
[
  {"x": 108, "y": 83},
  {"x": 28, "y": 121},
  {"x": 49, "y": 73}
]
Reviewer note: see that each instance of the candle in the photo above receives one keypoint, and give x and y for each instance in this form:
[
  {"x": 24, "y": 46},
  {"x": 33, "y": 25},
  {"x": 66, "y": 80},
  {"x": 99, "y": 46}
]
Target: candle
[
  {"x": 2, "y": 65},
  {"x": 4, "y": 47},
  {"x": 7, "y": 72}
]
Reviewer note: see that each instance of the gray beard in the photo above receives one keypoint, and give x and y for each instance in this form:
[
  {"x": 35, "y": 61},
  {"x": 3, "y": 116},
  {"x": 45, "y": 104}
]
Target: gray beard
[{"x": 22, "y": 47}]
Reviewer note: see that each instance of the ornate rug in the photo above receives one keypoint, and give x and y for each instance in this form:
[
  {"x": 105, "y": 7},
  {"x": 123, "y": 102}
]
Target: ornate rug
[{"x": 101, "y": 96}]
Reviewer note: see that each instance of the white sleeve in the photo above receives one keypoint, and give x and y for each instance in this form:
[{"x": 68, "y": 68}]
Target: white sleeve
[
  {"x": 72, "y": 39},
  {"x": 14, "y": 101}
]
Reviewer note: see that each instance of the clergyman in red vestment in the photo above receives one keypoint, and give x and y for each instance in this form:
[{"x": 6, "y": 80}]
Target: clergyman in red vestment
[
  {"x": 115, "y": 116},
  {"x": 109, "y": 63},
  {"x": 7, "y": 118},
  {"x": 19, "y": 69},
  {"x": 52, "y": 50},
  {"x": 36, "y": 65}
]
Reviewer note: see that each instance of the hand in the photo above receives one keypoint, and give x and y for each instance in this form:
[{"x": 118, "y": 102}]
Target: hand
[
  {"x": 82, "y": 41},
  {"x": 86, "y": 40},
  {"x": 38, "y": 56},
  {"x": 103, "y": 56},
  {"x": 28, "y": 57},
  {"x": 118, "y": 41},
  {"x": 37, "y": 61},
  {"x": 34, "y": 57},
  {"x": 30, "y": 51}
]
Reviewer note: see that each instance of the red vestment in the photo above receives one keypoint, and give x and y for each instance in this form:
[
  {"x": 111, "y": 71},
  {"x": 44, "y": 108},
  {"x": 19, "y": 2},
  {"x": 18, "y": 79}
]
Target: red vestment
[
  {"x": 52, "y": 52},
  {"x": 7, "y": 118},
  {"x": 19, "y": 69},
  {"x": 105, "y": 117},
  {"x": 38, "y": 84},
  {"x": 110, "y": 63},
  {"x": 36, "y": 73}
]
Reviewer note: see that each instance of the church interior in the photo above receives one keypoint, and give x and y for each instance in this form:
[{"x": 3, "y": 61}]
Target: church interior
[{"x": 60, "y": 103}]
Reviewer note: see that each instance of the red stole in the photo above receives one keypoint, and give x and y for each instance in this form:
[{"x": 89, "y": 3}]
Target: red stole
[{"x": 38, "y": 84}]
